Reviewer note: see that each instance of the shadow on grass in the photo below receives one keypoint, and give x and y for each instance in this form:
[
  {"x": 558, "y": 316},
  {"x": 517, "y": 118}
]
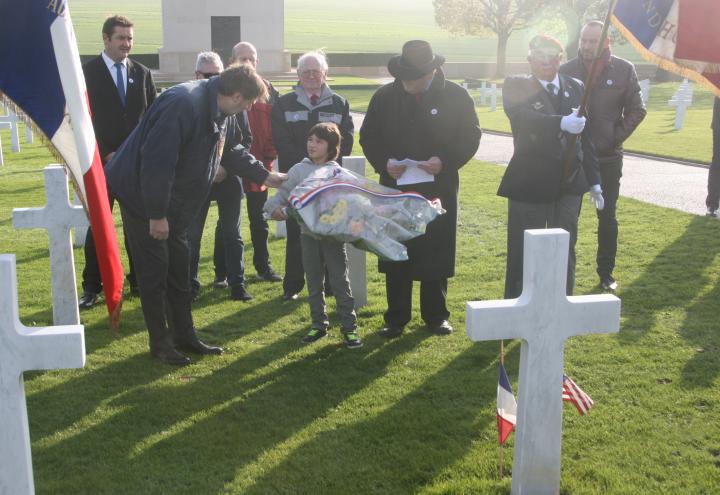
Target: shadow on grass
[
  {"x": 401, "y": 449},
  {"x": 191, "y": 436},
  {"x": 673, "y": 279},
  {"x": 700, "y": 328}
]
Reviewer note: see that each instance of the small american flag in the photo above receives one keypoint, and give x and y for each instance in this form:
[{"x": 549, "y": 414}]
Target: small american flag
[{"x": 572, "y": 393}]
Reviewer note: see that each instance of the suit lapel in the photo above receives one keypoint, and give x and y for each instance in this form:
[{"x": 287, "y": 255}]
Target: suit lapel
[
  {"x": 566, "y": 97},
  {"x": 133, "y": 84}
]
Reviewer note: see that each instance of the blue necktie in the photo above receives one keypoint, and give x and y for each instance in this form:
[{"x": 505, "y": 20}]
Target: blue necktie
[{"x": 120, "y": 82}]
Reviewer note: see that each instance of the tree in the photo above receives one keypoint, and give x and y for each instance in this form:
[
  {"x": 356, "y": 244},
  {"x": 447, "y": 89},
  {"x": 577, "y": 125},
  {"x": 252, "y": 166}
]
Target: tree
[
  {"x": 575, "y": 13},
  {"x": 483, "y": 17}
]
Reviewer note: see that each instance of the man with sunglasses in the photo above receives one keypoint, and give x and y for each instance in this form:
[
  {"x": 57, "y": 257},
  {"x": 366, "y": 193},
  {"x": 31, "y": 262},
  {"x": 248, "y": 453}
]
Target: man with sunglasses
[
  {"x": 542, "y": 191},
  {"x": 228, "y": 193}
]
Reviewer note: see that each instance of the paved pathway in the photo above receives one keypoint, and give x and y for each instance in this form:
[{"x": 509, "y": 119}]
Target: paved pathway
[{"x": 660, "y": 182}]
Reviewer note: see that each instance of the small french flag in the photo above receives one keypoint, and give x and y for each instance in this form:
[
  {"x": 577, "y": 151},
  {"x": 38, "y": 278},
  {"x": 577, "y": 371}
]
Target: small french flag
[{"x": 506, "y": 406}]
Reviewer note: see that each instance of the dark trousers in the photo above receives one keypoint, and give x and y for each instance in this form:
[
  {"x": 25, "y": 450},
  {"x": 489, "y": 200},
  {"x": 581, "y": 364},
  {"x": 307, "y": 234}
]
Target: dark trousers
[
  {"x": 259, "y": 231},
  {"x": 91, "y": 281},
  {"x": 162, "y": 276},
  {"x": 607, "y": 235},
  {"x": 713, "y": 198},
  {"x": 562, "y": 214},
  {"x": 433, "y": 296},
  {"x": 228, "y": 195},
  {"x": 294, "y": 279}
]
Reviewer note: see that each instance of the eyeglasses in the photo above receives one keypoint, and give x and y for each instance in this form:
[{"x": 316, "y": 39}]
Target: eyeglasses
[{"x": 207, "y": 75}]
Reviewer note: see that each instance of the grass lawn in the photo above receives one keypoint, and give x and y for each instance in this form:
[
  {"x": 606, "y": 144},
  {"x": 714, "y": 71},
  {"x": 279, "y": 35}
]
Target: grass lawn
[
  {"x": 655, "y": 135},
  {"x": 414, "y": 415},
  {"x": 350, "y": 26}
]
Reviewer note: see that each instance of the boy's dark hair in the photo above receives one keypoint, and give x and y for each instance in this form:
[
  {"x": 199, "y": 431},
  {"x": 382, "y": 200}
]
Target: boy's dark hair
[
  {"x": 242, "y": 78},
  {"x": 112, "y": 22},
  {"x": 328, "y": 131}
]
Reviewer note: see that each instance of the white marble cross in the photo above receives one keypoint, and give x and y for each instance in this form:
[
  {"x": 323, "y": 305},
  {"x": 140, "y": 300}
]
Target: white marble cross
[
  {"x": 543, "y": 317},
  {"x": 81, "y": 227},
  {"x": 11, "y": 121},
  {"x": 57, "y": 217},
  {"x": 24, "y": 349}
]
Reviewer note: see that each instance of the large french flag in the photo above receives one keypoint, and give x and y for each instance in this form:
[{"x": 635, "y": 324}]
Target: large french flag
[
  {"x": 681, "y": 36},
  {"x": 506, "y": 406},
  {"x": 40, "y": 73}
]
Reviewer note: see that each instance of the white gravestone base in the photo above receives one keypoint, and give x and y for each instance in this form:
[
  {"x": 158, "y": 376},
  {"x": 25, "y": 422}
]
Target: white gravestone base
[
  {"x": 543, "y": 317},
  {"x": 24, "y": 349}
]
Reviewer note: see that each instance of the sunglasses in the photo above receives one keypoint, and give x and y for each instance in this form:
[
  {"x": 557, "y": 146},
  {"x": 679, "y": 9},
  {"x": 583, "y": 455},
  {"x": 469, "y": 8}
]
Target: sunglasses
[{"x": 208, "y": 75}]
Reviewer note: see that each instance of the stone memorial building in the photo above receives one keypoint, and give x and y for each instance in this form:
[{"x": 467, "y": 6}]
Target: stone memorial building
[{"x": 193, "y": 26}]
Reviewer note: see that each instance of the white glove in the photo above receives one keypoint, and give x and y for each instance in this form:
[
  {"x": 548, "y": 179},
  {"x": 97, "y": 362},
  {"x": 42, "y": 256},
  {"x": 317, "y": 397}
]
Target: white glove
[
  {"x": 572, "y": 123},
  {"x": 596, "y": 197}
]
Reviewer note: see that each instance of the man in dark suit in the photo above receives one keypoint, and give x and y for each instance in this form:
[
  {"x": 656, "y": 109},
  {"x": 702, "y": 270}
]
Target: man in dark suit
[
  {"x": 542, "y": 191},
  {"x": 119, "y": 90}
]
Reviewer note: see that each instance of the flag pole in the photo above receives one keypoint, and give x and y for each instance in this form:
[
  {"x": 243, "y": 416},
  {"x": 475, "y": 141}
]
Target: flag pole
[
  {"x": 572, "y": 138},
  {"x": 502, "y": 451}
]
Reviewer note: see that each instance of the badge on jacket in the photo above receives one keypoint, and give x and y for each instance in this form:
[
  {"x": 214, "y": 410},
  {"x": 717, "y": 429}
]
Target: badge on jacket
[{"x": 538, "y": 105}]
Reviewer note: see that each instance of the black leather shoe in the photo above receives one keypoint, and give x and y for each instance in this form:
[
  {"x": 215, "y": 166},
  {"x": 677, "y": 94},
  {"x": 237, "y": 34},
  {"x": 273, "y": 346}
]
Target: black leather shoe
[
  {"x": 390, "y": 332},
  {"x": 171, "y": 357},
  {"x": 270, "y": 276},
  {"x": 442, "y": 328},
  {"x": 199, "y": 347},
  {"x": 290, "y": 296},
  {"x": 87, "y": 300},
  {"x": 238, "y": 293}
]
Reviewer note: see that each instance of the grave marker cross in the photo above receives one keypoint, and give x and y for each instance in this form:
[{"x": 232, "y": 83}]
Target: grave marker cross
[
  {"x": 57, "y": 217},
  {"x": 543, "y": 317},
  {"x": 24, "y": 349}
]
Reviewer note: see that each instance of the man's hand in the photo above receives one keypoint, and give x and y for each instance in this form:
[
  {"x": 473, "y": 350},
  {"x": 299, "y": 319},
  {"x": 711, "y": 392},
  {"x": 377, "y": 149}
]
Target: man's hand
[
  {"x": 395, "y": 169},
  {"x": 432, "y": 166},
  {"x": 220, "y": 175},
  {"x": 159, "y": 229},
  {"x": 279, "y": 214},
  {"x": 572, "y": 123},
  {"x": 275, "y": 179}
]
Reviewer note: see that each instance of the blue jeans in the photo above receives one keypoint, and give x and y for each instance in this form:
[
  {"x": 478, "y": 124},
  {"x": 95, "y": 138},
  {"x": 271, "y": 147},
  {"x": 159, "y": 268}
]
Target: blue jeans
[{"x": 228, "y": 195}]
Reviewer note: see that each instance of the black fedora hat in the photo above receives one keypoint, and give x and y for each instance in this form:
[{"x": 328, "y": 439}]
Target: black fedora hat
[{"x": 417, "y": 60}]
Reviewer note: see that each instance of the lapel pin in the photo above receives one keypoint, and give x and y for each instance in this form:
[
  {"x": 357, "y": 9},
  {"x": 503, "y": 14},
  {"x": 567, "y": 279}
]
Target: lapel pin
[
  {"x": 537, "y": 105},
  {"x": 130, "y": 81},
  {"x": 567, "y": 95},
  {"x": 434, "y": 111},
  {"x": 609, "y": 82}
]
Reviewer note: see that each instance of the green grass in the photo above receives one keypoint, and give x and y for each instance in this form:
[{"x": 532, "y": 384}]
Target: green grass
[
  {"x": 415, "y": 415},
  {"x": 350, "y": 26},
  {"x": 655, "y": 135}
]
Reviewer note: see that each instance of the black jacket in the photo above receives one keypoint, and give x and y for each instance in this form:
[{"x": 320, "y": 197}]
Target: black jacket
[
  {"x": 293, "y": 117},
  {"x": 167, "y": 165},
  {"x": 535, "y": 171},
  {"x": 443, "y": 124},
  {"x": 112, "y": 121},
  {"x": 615, "y": 106}
]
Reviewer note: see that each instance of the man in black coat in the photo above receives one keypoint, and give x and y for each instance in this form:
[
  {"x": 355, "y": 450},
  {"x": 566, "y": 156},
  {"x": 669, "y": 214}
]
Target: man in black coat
[
  {"x": 425, "y": 118},
  {"x": 542, "y": 191},
  {"x": 119, "y": 90},
  {"x": 161, "y": 176},
  {"x": 293, "y": 115},
  {"x": 615, "y": 109}
]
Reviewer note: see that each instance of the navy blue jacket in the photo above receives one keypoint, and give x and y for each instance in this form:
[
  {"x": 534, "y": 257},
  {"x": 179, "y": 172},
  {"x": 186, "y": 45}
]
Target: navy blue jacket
[{"x": 166, "y": 166}]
